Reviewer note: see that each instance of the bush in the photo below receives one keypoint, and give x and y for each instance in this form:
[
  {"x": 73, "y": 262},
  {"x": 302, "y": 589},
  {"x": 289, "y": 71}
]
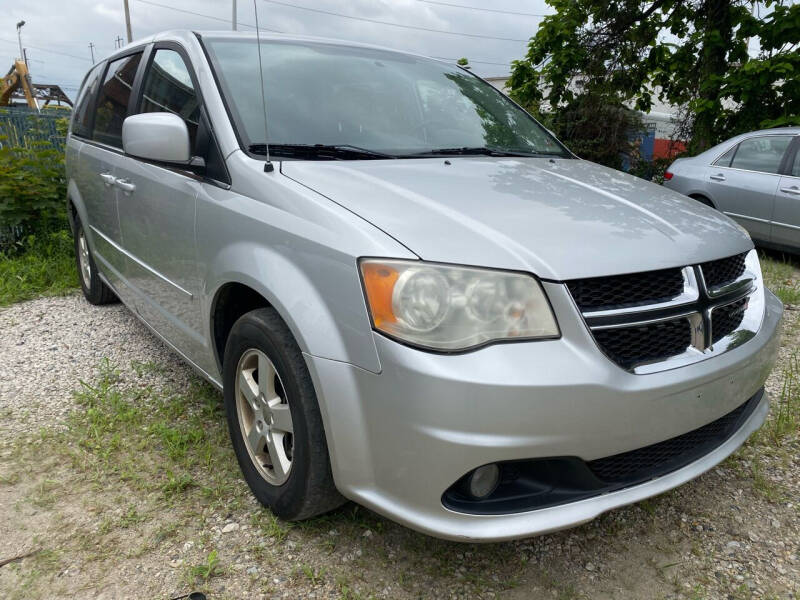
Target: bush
[
  {"x": 32, "y": 179},
  {"x": 32, "y": 188}
]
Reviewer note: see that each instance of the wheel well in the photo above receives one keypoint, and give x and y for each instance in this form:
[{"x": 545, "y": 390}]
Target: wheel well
[
  {"x": 703, "y": 199},
  {"x": 233, "y": 300}
]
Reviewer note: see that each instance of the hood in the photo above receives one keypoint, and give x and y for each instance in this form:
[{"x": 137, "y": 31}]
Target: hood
[{"x": 559, "y": 219}]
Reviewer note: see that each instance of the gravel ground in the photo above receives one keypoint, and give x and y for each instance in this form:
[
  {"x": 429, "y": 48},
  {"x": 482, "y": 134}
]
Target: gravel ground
[
  {"x": 732, "y": 533},
  {"x": 49, "y": 346}
]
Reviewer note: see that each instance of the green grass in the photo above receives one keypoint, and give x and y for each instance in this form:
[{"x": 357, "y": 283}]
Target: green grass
[
  {"x": 44, "y": 266},
  {"x": 786, "y": 408},
  {"x": 782, "y": 276}
]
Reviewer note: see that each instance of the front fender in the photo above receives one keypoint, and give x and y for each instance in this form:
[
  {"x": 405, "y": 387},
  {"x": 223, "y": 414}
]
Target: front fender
[{"x": 304, "y": 305}]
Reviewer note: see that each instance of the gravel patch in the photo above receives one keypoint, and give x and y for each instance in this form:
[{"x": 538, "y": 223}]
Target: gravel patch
[
  {"x": 48, "y": 346},
  {"x": 733, "y": 533}
]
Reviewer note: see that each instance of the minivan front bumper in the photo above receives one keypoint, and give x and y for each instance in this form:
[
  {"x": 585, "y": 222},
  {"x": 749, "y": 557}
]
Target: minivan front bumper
[{"x": 400, "y": 438}]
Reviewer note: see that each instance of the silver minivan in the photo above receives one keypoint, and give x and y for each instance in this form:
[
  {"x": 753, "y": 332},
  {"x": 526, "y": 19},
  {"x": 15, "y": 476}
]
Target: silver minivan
[{"x": 411, "y": 294}]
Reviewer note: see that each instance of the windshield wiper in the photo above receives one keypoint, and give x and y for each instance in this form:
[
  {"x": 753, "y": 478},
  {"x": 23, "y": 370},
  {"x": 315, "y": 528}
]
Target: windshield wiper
[
  {"x": 319, "y": 151},
  {"x": 482, "y": 151}
]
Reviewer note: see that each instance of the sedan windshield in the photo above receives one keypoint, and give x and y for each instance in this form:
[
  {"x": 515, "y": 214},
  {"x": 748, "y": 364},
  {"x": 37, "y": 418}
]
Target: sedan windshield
[{"x": 328, "y": 101}]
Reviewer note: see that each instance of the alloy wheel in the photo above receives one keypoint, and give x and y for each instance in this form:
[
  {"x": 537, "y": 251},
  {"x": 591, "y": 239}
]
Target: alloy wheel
[
  {"x": 83, "y": 260},
  {"x": 264, "y": 416}
]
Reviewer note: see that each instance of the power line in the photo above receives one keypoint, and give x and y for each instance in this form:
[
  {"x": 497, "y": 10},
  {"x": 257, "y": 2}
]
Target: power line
[
  {"x": 491, "y": 10},
  {"x": 390, "y": 24},
  {"x": 40, "y": 49},
  {"x": 197, "y": 14},
  {"x": 479, "y": 62}
]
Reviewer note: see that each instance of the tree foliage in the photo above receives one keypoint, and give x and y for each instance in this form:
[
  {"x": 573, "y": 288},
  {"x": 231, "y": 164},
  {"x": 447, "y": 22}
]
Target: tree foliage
[{"x": 688, "y": 53}]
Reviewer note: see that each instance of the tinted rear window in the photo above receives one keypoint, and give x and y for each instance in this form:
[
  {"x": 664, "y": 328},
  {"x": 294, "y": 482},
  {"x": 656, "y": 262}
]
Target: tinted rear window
[
  {"x": 81, "y": 118},
  {"x": 112, "y": 104}
]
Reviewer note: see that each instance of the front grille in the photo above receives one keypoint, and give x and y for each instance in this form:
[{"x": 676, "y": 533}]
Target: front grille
[
  {"x": 617, "y": 291},
  {"x": 722, "y": 271},
  {"x": 673, "y": 453},
  {"x": 628, "y": 346},
  {"x": 726, "y": 319}
]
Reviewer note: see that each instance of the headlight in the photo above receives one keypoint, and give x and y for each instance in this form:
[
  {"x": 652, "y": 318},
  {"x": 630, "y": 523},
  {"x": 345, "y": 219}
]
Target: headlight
[{"x": 454, "y": 308}]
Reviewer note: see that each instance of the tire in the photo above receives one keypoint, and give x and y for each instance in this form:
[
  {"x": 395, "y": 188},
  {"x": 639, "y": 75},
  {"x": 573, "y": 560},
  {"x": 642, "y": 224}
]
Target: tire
[
  {"x": 702, "y": 200},
  {"x": 264, "y": 441},
  {"x": 94, "y": 290}
]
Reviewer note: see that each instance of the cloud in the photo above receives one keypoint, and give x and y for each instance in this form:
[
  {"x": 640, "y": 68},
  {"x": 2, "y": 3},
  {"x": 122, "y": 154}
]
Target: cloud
[{"x": 55, "y": 29}]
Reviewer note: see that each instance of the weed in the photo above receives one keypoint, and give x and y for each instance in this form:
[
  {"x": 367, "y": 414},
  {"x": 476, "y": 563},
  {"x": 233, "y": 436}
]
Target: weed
[
  {"x": 44, "y": 266},
  {"x": 786, "y": 411},
  {"x": 208, "y": 569},
  {"x": 315, "y": 576}
]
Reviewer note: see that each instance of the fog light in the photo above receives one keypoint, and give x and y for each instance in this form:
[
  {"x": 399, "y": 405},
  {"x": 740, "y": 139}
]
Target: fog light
[{"x": 483, "y": 481}]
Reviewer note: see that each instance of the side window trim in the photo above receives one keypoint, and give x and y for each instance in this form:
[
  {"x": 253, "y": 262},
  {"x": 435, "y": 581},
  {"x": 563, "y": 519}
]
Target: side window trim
[
  {"x": 735, "y": 149},
  {"x": 789, "y": 158},
  {"x": 136, "y": 88}
]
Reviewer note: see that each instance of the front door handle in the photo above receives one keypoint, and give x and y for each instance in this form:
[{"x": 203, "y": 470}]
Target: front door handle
[
  {"x": 125, "y": 185},
  {"x": 718, "y": 177},
  {"x": 794, "y": 190},
  {"x": 107, "y": 178}
]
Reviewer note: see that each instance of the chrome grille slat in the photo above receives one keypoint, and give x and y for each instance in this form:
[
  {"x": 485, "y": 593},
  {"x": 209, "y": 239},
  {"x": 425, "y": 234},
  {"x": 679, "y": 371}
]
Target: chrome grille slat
[{"x": 671, "y": 329}]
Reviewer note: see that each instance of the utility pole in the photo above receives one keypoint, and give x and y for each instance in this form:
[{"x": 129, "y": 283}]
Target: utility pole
[
  {"x": 128, "y": 21},
  {"x": 91, "y": 49},
  {"x": 118, "y": 42},
  {"x": 25, "y": 58},
  {"x": 233, "y": 18},
  {"x": 19, "y": 39}
]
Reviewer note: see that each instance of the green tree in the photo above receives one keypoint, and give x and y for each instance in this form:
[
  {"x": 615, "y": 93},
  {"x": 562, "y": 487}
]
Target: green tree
[{"x": 690, "y": 53}]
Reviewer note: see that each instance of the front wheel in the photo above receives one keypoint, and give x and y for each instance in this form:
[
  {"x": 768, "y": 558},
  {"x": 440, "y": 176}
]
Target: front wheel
[{"x": 274, "y": 419}]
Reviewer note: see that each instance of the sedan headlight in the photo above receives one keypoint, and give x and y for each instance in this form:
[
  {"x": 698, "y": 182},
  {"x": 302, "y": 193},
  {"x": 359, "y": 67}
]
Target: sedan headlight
[{"x": 446, "y": 307}]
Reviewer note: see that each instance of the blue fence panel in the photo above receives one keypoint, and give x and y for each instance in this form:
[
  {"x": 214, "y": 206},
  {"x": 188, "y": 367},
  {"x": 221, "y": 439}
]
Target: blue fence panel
[{"x": 25, "y": 127}]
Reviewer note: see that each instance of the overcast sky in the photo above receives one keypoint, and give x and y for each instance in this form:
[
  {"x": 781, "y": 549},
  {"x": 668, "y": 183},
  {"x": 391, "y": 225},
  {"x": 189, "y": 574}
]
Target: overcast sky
[{"x": 56, "y": 26}]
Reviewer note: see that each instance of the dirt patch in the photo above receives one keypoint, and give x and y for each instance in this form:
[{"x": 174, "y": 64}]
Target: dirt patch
[{"x": 128, "y": 489}]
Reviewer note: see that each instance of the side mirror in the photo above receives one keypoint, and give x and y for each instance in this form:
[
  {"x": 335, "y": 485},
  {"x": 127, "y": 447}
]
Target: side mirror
[{"x": 159, "y": 136}]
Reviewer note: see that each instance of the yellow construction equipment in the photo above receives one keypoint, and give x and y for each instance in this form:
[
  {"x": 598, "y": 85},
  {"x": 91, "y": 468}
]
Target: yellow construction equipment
[
  {"x": 17, "y": 84},
  {"x": 18, "y": 78}
]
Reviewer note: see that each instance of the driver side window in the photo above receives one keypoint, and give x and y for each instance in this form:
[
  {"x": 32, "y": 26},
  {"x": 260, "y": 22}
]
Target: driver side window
[{"x": 168, "y": 87}]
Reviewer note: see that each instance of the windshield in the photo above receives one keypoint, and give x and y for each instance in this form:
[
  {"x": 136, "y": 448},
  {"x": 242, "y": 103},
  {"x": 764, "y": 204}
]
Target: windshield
[{"x": 372, "y": 100}]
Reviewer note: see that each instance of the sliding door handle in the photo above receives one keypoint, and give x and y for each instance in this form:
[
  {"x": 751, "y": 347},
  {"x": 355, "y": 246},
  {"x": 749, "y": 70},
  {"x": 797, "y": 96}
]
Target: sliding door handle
[
  {"x": 125, "y": 185},
  {"x": 794, "y": 190}
]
